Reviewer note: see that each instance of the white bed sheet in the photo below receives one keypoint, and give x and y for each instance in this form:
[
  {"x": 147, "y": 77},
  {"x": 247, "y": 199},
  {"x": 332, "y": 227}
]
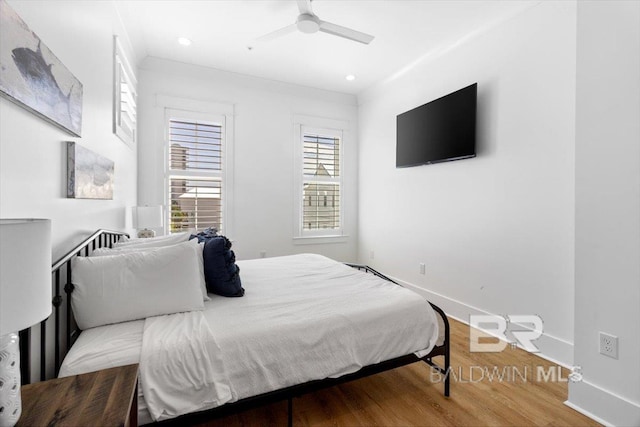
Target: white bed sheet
[{"x": 303, "y": 317}]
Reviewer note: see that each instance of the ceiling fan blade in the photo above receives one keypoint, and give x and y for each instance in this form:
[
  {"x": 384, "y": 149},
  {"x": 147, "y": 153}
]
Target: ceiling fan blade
[
  {"x": 277, "y": 33},
  {"x": 305, "y": 7},
  {"x": 347, "y": 33}
]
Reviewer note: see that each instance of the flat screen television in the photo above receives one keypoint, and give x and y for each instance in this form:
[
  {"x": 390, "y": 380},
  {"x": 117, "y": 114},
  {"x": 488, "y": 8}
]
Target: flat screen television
[{"x": 438, "y": 131}]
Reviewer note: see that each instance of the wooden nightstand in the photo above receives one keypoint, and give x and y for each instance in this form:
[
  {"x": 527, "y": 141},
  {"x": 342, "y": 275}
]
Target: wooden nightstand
[{"x": 105, "y": 398}]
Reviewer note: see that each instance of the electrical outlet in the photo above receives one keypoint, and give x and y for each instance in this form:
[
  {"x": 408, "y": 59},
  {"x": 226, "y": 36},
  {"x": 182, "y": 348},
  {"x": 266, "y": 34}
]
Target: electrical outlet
[
  {"x": 371, "y": 255},
  {"x": 609, "y": 345},
  {"x": 422, "y": 268}
]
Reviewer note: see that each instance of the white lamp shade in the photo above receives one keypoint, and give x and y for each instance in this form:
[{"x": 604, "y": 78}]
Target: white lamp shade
[
  {"x": 25, "y": 273},
  {"x": 147, "y": 217}
]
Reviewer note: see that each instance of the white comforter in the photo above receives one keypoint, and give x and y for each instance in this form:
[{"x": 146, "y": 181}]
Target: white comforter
[
  {"x": 181, "y": 367},
  {"x": 307, "y": 317},
  {"x": 303, "y": 317}
]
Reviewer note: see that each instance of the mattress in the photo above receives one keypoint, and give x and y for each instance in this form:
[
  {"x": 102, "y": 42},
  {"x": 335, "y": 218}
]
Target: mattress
[{"x": 303, "y": 317}]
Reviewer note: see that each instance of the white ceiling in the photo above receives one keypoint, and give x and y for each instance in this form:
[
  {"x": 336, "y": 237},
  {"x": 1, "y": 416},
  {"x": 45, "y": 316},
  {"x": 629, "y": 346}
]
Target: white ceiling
[{"x": 221, "y": 31}]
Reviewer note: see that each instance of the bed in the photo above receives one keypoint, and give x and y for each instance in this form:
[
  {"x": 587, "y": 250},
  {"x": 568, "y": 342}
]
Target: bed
[{"x": 306, "y": 322}]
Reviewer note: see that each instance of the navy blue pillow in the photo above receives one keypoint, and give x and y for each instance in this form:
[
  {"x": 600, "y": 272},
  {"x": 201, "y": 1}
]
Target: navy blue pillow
[
  {"x": 205, "y": 234},
  {"x": 221, "y": 273}
]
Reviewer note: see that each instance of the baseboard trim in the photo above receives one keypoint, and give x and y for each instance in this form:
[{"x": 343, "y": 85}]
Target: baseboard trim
[
  {"x": 606, "y": 407},
  {"x": 587, "y": 414},
  {"x": 551, "y": 348}
]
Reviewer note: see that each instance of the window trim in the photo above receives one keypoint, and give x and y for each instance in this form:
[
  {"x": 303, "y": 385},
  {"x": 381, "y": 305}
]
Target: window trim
[
  {"x": 322, "y": 126},
  {"x": 188, "y": 109}
]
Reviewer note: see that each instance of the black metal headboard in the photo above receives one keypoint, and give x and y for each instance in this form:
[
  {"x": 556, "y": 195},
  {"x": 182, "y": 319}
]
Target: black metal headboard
[{"x": 60, "y": 341}]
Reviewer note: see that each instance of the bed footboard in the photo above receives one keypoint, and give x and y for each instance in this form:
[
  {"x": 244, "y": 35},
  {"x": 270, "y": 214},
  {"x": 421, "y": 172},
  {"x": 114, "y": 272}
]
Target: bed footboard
[{"x": 442, "y": 349}]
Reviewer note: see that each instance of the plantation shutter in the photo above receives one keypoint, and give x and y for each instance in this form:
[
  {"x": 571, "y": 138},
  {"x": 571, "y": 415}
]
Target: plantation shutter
[
  {"x": 126, "y": 98},
  {"x": 321, "y": 182},
  {"x": 195, "y": 174}
]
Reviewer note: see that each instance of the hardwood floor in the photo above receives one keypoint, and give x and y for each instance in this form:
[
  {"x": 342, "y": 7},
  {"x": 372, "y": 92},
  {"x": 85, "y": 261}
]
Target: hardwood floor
[{"x": 487, "y": 389}]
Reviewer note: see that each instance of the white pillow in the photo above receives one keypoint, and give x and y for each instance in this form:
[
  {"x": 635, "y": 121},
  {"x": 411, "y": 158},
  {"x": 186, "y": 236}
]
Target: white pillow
[
  {"x": 154, "y": 242},
  {"x": 123, "y": 239},
  {"x": 129, "y": 249},
  {"x": 119, "y": 288}
]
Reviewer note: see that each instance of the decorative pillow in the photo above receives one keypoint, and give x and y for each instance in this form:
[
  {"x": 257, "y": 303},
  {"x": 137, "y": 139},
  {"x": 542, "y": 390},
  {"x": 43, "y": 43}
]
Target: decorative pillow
[
  {"x": 136, "y": 285},
  {"x": 205, "y": 234},
  {"x": 220, "y": 270},
  {"x": 129, "y": 249},
  {"x": 154, "y": 242}
]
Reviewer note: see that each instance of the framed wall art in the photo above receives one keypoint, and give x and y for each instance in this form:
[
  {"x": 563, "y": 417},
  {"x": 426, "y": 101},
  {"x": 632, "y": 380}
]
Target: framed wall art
[
  {"x": 89, "y": 175},
  {"x": 34, "y": 78}
]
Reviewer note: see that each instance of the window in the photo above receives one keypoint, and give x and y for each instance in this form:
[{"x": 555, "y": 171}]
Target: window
[
  {"x": 320, "y": 187},
  {"x": 196, "y": 170}
]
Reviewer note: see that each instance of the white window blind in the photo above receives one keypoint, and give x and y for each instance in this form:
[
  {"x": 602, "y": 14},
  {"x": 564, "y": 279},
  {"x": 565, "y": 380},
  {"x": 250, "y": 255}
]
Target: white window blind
[
  {"x": 321, "y": 198},
  {"x": 196, "y": 162}
]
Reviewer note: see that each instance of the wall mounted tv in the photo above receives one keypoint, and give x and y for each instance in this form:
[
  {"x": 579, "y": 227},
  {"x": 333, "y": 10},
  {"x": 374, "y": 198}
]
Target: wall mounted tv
[{"x": 438, "y": 131}]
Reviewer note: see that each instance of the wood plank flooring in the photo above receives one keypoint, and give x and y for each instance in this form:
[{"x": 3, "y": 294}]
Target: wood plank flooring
[{"x": 487, "y": 389}]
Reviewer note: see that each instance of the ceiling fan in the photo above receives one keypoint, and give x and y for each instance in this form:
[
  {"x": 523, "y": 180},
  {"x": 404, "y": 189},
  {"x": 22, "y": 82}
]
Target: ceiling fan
[{"x": 308, "y": 22}]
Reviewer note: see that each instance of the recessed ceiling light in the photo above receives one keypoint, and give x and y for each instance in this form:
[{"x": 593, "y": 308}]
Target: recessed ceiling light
[
  {"x": 350, "y": 77},
  {"x": 184, "y": 41}
]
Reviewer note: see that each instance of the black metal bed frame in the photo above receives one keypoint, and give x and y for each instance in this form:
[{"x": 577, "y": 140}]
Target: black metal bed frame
[{"x": 61, "y": 272}]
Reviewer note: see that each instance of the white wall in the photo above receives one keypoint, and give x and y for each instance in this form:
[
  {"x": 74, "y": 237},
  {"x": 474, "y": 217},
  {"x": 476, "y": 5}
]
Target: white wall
[
  {"x": 263, "y": 181},
  {"x": 607, "y": 291},
  {"x": 495, "y": 232},
  {"x": 32, "y": 151}
]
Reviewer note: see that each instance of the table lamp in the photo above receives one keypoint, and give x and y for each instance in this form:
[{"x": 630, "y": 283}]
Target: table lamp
[
  {"x": 25, "y": 299},
  {"x": 146, "y": 217}
]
